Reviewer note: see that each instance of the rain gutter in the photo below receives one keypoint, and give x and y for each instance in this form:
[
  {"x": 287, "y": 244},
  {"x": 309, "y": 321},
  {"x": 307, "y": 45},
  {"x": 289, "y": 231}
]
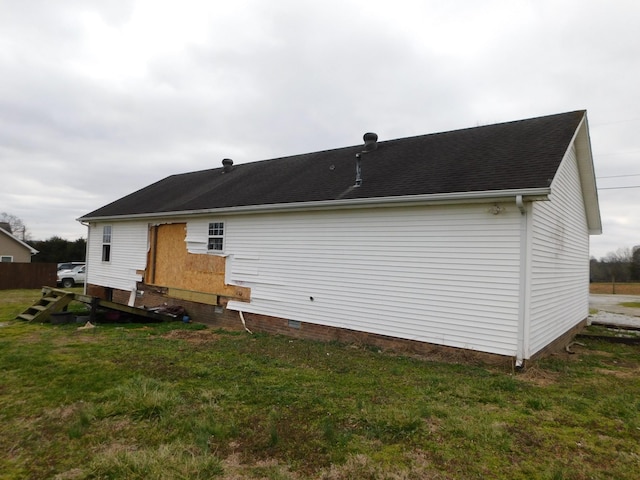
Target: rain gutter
[{"x": 532, "y": 194}]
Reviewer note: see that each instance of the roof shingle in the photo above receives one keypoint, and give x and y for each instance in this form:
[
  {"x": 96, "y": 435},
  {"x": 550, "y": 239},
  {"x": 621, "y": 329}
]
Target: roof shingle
[{"x": 515, "y": 155}]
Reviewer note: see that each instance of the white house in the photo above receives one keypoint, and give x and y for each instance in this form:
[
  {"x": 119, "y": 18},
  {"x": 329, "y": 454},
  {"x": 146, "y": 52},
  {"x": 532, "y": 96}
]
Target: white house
[{"x": 473, "y": 239}]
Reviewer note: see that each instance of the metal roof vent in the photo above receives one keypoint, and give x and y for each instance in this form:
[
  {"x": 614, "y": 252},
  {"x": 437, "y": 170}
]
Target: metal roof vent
[
  {"x": 227, "y": 165},
  {"x": 370, "y": 142}
]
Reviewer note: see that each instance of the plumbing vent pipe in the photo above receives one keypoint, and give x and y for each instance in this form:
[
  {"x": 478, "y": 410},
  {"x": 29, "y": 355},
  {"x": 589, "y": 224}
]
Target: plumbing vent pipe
[{"x": 370, "y": 144}]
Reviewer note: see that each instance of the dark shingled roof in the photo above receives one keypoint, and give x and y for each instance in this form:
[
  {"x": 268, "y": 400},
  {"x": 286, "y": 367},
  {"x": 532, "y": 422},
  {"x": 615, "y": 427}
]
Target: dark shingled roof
[{"x": 522, "y": 154}]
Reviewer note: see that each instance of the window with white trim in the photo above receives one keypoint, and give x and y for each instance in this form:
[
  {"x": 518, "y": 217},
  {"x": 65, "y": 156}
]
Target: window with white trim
[
  {"x": 106, "y": 243},
  {"x": 6, "y": 258},
  {"x": 215, "y": 242}
]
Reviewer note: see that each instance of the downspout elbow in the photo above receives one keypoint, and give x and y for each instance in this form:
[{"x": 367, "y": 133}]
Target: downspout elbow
[
  {"x": 520, "y": 204},
  {"x": 244, "y": 323}
]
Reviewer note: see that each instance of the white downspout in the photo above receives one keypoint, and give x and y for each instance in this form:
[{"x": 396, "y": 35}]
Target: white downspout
[
  {"x": 244, "y": 324},
  {"x": 86, "y": 258},
  {"x": 523, "y": 304}
]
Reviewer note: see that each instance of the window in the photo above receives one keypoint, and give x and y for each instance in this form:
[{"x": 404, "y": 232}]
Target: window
[
  {"x": 6, "y": 259},
  {"x": 106, "y": 243},
  {"x": 216, "y": 236}
]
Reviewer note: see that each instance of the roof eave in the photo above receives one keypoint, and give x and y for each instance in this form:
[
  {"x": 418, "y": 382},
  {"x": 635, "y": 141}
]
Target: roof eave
[
  {"x": 587, "y": 177},
  {"x": 529, "y": 194}
]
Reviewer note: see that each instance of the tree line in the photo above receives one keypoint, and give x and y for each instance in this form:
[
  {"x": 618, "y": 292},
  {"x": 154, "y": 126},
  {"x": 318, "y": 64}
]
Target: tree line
[
  {"x": 623, "y": 265},
  {"x": 56, "y": 250}
]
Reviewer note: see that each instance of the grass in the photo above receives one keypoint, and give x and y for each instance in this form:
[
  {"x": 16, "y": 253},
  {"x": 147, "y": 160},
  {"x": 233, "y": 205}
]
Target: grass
[{"x": 180, "y": 401}]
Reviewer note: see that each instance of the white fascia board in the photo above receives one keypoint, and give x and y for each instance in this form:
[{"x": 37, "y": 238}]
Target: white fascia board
[
  {"x": 586, "y": 170},
  {"x": 588, "y": 178},
  {"x": 531, "y": 194}
]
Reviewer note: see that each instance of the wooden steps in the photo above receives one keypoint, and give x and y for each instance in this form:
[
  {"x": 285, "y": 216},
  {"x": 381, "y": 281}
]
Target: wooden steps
[{"x": 52, "y": 301}]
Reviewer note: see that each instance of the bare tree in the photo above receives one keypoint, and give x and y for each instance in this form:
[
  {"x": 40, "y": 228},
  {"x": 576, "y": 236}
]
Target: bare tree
[
  {"x": 18, "y": 228},
  {"x": 618, "y": 265}
]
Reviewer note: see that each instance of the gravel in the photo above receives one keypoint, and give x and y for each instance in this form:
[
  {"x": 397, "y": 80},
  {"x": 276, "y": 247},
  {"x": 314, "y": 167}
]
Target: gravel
[
  {"x": 610, "y": 318},
  {"x": 610, "y": 312}
]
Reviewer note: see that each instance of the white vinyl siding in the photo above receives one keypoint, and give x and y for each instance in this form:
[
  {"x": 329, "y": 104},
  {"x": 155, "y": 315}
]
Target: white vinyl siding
[
  {"x": 198, "y": 235},
  {"x": 446, "y": 275},
  {"x": 129, "y": 243},
  {"x": 559, "y": 259}
]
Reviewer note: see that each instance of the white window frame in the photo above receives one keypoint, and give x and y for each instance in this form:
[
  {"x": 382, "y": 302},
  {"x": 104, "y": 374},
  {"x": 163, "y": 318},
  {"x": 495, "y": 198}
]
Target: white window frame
[
  {"x": 215, "y": 237},
  {"x": 107, "y": 235},
  {"x": 2, "y": 258}
]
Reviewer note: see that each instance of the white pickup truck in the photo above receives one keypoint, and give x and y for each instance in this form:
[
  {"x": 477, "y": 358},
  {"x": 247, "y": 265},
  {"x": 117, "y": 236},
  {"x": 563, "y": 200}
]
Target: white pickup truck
[{"x": 68, "y": 278}]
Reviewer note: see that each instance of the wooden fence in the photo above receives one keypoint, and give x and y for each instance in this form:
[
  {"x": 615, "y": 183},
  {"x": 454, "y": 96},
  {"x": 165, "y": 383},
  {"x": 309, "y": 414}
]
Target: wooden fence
[{"x": 27, "y": 275}]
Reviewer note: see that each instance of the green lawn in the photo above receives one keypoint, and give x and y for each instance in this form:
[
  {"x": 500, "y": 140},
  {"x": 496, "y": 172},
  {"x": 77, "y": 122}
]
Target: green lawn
[{"x": 176, "y": 401}]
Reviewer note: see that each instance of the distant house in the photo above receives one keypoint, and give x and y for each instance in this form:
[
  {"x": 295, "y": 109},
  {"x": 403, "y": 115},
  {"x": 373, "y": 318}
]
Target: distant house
[
  {"x": 12, "y": 249},
  {"x": 473, "y": 239}
]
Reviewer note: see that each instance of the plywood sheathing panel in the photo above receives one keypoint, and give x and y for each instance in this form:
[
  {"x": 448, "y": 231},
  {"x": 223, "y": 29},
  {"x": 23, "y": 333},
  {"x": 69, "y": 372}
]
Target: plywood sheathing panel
[
  {"x": 199, "y": 297},
  {"x": 177, "y": 268}
]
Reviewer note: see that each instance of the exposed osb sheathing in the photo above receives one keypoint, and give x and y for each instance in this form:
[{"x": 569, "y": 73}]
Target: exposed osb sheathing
[{"x": 170, "y": 265}]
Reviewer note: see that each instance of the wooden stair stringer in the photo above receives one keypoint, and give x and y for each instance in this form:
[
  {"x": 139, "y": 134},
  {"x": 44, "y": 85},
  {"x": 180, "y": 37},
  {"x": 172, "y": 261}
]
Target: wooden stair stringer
[{"x": 52, "y": 301}]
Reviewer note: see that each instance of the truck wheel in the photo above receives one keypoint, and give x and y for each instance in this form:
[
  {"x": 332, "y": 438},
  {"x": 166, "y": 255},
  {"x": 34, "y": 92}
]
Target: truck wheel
[{"x": 67, "y": 283}]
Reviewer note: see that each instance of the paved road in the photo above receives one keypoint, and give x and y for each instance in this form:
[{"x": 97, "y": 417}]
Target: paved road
[{"x": 610, "y": 311}]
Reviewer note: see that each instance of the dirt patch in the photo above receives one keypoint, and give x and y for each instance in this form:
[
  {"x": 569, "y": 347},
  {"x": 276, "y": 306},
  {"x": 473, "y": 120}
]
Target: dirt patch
[
  {"x": 72, "y": 474},
  {"x": 196, "y": 337},
  {"x": 618, "y": 373},
  {"x": 236, "y": 469},
  {"x": 538, "y": 376}
]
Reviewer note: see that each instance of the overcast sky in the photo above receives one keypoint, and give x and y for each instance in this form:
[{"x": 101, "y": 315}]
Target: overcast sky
[{"x": 101, "y": 98}]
